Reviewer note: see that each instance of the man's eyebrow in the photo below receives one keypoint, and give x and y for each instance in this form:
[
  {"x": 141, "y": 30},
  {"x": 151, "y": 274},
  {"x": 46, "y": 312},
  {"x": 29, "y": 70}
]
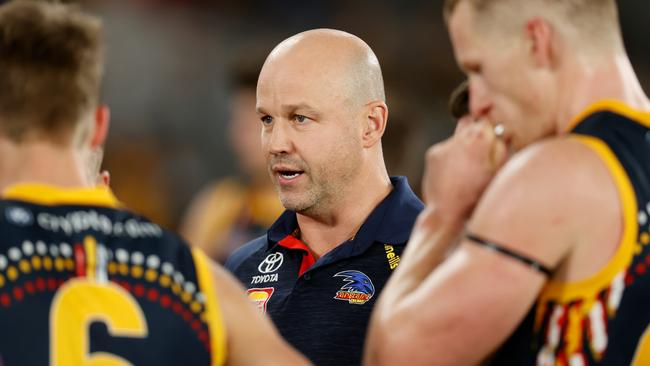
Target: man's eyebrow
[
  {"x": 293, "y": 107},
  {"x": 290, "y": 108}
]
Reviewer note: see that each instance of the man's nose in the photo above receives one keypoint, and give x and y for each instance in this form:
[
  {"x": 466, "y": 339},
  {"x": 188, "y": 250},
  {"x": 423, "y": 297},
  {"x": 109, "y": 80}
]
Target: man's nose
[{"x": 278, "y": 139}]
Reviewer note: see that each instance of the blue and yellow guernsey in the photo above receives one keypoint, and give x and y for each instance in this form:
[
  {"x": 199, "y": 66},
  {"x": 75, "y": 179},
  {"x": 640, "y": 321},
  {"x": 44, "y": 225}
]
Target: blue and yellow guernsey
[
  {"x": 605, "y": 319},
  {"x": 83, "y": 282}
]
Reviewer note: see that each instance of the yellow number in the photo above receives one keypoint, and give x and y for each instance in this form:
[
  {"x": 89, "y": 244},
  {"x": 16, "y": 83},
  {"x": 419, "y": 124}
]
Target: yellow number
[
  {"x": 642, "y": 354},
  {"x": 76, "y": 305}
]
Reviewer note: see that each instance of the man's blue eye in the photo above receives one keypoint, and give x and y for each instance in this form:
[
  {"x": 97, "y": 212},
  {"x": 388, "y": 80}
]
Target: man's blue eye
[
  {"x": 267, "y": 120},
  {"x": 300, "y": 119}
]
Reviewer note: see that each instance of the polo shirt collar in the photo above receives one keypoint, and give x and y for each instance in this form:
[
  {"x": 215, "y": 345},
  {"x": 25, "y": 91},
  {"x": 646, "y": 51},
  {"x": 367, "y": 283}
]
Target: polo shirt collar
[{"x": 390, "y": 222}]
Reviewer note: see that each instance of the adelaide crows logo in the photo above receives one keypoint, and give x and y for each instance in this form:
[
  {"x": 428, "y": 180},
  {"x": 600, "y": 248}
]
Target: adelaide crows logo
[{"x": 358, "y": 288}]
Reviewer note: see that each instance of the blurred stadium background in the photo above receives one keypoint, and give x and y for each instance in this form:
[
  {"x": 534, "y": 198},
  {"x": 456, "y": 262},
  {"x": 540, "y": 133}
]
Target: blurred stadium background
[{"x": 169, "y": 69}]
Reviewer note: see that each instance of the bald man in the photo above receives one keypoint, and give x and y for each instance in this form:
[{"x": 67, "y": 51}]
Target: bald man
[
  {"x": 322, "y": 264},
  {"x": 552, "y": 268}
]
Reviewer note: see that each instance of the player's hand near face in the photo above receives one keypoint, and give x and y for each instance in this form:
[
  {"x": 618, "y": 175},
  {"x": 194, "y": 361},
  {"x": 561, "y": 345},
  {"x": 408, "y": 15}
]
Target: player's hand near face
[{"x": 458, "y": 170}]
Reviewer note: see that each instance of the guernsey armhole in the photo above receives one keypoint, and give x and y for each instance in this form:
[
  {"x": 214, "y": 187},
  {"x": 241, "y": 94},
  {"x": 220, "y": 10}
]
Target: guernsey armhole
[
  {"x": 564, "y": 292},
  {"x": 214, "y": 318}
]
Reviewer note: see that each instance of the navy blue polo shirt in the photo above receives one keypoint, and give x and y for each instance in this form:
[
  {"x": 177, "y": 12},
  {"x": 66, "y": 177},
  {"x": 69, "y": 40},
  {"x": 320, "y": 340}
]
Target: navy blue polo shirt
[{"x": 322, "y": 307}]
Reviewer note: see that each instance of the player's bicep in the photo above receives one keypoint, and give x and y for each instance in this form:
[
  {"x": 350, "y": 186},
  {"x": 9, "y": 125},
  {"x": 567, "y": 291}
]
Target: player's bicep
[
  {"x": 528, "y": 210},
  {"x": 476, "y": 299}
]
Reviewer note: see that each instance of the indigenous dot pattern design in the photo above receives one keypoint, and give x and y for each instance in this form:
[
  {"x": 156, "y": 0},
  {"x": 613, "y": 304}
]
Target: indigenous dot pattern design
[
  {"x": 39, "y": 267},
  {"x": 603, "y": 320}
]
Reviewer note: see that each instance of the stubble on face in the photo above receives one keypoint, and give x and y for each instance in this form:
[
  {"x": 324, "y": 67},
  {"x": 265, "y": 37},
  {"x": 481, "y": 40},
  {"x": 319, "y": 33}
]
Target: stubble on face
[{"x": 327, "y": 176}]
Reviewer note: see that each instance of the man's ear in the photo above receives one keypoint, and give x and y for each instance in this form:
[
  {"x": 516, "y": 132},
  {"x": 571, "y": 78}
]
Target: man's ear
[
  {"x": 100, "y": 130},
  {"x": 539, "y": 33},
  {"x": 375, "y": 124}
]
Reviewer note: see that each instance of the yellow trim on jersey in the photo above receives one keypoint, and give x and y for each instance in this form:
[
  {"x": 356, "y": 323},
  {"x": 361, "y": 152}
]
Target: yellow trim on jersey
[
  {"x": 213, "y": 311},
  {"x": 613, "y": 105},
  {"x": 566, "y": 291},
  {"x": 50, "y": 195}
]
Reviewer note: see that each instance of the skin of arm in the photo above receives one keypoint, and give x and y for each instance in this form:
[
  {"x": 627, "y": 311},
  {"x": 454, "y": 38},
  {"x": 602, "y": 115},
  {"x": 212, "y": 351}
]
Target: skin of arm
[
  {"x": 252, "y": 338},
  {"x": 457, "y": 308}
]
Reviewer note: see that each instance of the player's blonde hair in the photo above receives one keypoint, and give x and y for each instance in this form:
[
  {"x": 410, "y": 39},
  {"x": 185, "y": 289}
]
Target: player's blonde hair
[{"x": 594, "y": 23}]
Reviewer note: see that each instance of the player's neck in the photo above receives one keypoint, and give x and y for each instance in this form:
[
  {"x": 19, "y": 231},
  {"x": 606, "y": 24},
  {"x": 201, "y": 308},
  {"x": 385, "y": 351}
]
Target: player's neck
[
  {"x": 611, "y": 78},
  {"x": 39, "y": 162},
  {"x": 340, "y": 221}
]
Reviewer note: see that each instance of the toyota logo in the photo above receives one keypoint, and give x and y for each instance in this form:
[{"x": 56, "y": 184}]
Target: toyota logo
[{"x": 271, "y": 263}]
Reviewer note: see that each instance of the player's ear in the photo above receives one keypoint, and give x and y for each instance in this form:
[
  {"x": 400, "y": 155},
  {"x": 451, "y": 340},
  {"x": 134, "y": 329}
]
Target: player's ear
[
  {"x": 101, "y": 123},
  {"x": 375, "y": 123},
  {"x": 540, "y": 36},
  {"x": 103, "y": 178}
]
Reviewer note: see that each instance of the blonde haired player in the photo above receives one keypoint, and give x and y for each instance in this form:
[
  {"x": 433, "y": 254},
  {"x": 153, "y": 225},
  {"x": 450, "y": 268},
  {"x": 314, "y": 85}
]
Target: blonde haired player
[{"x": 551, "y": 268}]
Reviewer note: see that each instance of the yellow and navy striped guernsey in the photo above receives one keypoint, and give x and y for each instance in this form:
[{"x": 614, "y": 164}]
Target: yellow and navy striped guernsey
[
  {"x": 83, "y": 281},
  {"x": 605, "y": 319}
]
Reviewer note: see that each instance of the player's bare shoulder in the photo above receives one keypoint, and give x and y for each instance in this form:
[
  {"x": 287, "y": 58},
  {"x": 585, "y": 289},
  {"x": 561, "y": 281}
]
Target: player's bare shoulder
[
  {"x": 564, "y": 170},
  {"x": 548, "y": 200}
]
